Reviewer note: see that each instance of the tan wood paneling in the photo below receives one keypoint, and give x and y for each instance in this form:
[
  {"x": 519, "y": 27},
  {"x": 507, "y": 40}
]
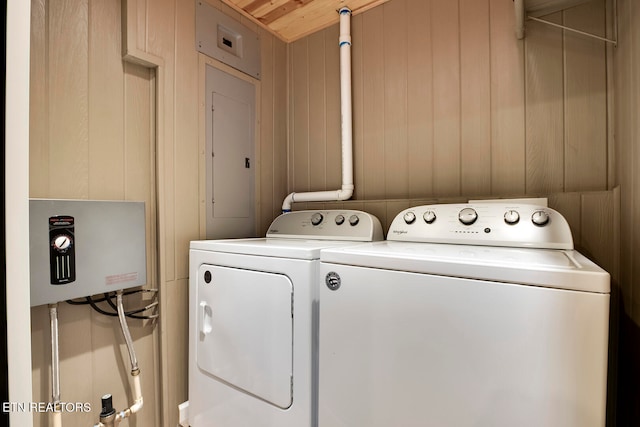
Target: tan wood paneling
[
  {"x": 106, "y": 142},
  {"x": 545, "y": 107},
  {"x": 372, "y": 78},
  {"x": 185, "y": 151},
  {"x": 625, "y": 119},
  {"x": 160, "y": 41},
  {"x": 586, "y": 97},
  {"x": 626, "y": 67},
  {"x": 419, "y": 99},
  {"x": 267, "y": 151},
  {"x": 395, "y": 97},
  {"x": 299, "y": 165},
  {"x": 569, "y": 205},
  {"x": 507, "y": 102},
  {"x": 630, "y": 87},
  {"x": 357, "y": 87},
  {"x": 317, "y": 111},
  {"x": 139, "y": 168},
  {"x": 280, "y": 132},
  {"x": 475, "y": 97},
  {"x": 445, "y": 38},
  {"x": 175, "y": 381},
  {"x": 67, "y": 64},
  {"x": 597, "y": 228}
]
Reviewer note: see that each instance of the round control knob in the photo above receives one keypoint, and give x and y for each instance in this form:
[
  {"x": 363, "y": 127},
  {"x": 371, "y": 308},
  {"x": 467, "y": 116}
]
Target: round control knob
[
  {"x": 409, "y": 217},
  {"x": 340, "y": 219},
  {"x": 540, "y": 218},
  {"x": 316, "y": 218},
  {"x": 429, "y": 217},
  {"x": 468, "y": 216},
  {"x": 511, "y": 217},
  {"x": 354, "y": 220},
  {"x": 61, "y": 243}
]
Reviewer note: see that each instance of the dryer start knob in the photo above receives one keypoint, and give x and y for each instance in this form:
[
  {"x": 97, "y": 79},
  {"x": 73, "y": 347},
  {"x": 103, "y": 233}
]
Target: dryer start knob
[
  {"x": 316, "y": 218},
  {"x": 511, "y": 217}
]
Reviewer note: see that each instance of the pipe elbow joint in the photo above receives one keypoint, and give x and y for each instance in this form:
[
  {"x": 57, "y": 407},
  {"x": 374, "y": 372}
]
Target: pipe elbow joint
[
  {"x": 286, "y": 204},
  {"x": 137, "y": 405},
  {"x": 345, "y": 192}
]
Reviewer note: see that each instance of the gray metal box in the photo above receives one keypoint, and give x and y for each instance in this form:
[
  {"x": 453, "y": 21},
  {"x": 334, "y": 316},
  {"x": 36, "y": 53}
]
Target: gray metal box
[
  {"x": 85, "y": 247},
  {"x": 227, "y": 40}
]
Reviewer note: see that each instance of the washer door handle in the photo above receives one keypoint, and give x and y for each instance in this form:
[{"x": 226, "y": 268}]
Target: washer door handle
[{"x": 206, "y": 315}]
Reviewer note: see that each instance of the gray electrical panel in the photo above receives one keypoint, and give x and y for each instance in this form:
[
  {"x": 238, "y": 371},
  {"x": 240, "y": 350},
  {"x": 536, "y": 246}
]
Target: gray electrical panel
[
  {"x": 230, "y": 155},
  {"x": 227, "y": 40},
  {"x": 85, "y": 247}
]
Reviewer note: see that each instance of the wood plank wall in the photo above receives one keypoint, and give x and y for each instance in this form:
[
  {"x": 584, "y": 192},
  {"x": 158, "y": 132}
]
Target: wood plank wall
[
  {"x": 99, "y": 116},
  {"x": 91, "y": 138},
  {"x": 627, "y": 67},
  {"x": 627, "y": 127},
  {"x": 447, "y": 102}
]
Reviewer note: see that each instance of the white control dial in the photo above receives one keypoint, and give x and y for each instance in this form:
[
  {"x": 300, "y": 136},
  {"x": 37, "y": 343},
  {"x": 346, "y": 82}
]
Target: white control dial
[
  {"x": 62, "y": 242},
  {"x": 467, "y": 216},
  {"x": 339, "y": 219},
  {"x": 511, "y": 217},
  {"x": 316, "y": 218},
  {"x": 429, "y": 217},
  {"x": 409, "y": 217},
  {"x": 354, "y": 220},
  {"x": 540, "y": 218}
]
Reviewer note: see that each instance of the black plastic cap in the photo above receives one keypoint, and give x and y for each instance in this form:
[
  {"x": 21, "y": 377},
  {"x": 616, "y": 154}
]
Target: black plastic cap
[{"x": 107, "y": 406}]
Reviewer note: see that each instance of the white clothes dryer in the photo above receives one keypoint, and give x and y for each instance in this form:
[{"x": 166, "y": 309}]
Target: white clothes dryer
[
  {"x": 468, "y": 315},
  {"x": 253, "y": 320}
]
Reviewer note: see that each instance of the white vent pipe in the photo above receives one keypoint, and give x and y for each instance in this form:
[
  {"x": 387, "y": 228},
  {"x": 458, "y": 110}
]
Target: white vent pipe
[{"x": 346, "y": 191}]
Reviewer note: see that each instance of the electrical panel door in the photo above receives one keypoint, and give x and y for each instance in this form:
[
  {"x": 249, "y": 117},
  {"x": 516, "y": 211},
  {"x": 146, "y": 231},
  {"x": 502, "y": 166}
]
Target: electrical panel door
[{"x": 230, "y": 148}]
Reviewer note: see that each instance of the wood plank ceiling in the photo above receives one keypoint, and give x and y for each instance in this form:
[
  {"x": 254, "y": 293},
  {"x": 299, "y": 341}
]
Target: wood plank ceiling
[{"x": 292, "y": 19}]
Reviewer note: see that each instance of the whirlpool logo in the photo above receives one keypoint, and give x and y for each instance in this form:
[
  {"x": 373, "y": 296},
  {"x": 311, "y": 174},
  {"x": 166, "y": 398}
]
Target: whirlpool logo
[{"x": 399, "y": 231}]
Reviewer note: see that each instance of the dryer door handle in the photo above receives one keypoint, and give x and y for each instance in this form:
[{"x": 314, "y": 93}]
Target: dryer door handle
[{"x": 205, "y": 318}]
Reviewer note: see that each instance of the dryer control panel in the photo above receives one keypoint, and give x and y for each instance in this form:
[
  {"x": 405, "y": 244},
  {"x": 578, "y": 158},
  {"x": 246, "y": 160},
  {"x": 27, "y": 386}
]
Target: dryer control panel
[
  {"x": 491, "y": 224},
  {"x": 327, "y": 225}
]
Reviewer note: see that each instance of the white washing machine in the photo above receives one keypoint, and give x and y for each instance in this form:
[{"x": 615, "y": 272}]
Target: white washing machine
[
  {"x": 468, "y": 315},
  {"x": 253, "y": 320}
]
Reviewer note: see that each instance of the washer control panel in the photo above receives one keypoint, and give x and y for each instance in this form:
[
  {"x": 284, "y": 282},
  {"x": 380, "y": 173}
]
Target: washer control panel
[
  {"x": 327, "y": 225},
  {"x": 492, "y": 224}
]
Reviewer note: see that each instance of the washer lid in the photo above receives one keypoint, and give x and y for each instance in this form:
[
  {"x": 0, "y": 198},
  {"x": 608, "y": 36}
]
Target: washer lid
[
  {"x": 279, "y": 248},
  {"x": 561, "y": 269}
]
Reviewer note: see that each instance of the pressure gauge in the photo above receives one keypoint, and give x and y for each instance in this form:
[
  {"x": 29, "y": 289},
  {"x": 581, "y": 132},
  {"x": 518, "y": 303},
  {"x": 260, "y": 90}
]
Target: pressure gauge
[{"x": 61, "y": 243}]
